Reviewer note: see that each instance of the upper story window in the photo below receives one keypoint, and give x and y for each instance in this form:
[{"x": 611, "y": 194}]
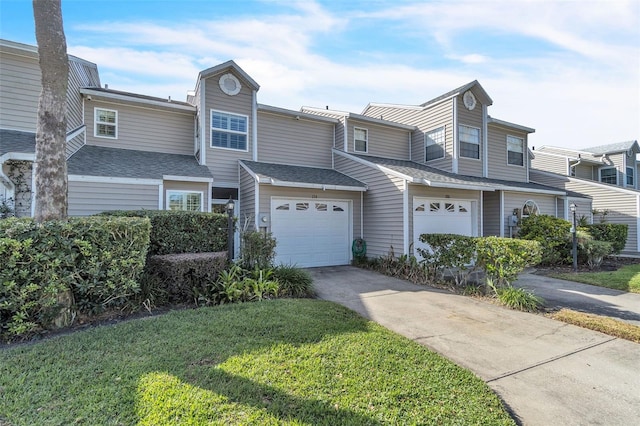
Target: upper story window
[
  {"x": 630, "y": 176},
  {"x": 228, "y": 130},
  {"x": 609, "y": 175},
  {"x": 434, "y": 142},
  {"x": 184, "y": 200},
  {"x": 360, "y": 138},
  {"x": 469, "y": 141},
  {"x": 515, "y": 151},
  {"x": 106, "y": 123}
]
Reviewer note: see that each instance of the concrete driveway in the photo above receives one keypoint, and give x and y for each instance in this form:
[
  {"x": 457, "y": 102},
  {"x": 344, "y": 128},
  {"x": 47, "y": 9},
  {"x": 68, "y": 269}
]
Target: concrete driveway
[{"x": 547, "y": 372}]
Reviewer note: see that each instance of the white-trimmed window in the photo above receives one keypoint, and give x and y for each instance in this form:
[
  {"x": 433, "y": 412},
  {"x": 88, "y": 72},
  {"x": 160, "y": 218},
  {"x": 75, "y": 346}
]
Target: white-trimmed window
[
  {"x": 106, "y": 123},
  {"x": 434, "y": 144},
  {"x": 228, "y": 130},
  {"x": 469, "y": 141},
  {"x": 530, "y": 208},
  {"x": 630, "y": 176},
  {"x": 515, "y": 151},
  {"x": 609, "y": 175},
  {"x": 191, "y": 201},
  {"x": 360, "y": 139}
]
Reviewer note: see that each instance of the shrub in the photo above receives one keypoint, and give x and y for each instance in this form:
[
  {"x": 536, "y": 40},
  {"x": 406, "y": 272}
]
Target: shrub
[
  {"x": 552, "y": 233},
  {"x": 181, "y": 231},
  {"x": 595, "y": 251},
  {"x": 257, "y": 250},
  {"x": 449, "y": 253},
  {"x": 503, "y": 259},
  {"x": 294, "y": 282},
  {"x": 184, "y": 277},
  {"x": 238, "y": 285},
  {"x": 614, "y": 233},
  {"x": 98, "y": 259},
  {"x": 519, "y": 298}
]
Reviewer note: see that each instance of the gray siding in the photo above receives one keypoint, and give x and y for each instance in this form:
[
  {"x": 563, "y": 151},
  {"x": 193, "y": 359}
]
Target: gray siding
[
  {"x": 584, "y": 171},
  {"x": 88, "y": 198},
  {"x": 383, "y": 227},
  {"x": 383, "y": 141},
  {"x": 621, "y": 203},
  {"x": 491, "y": 213},
  {"x": 515, "y": 200},
  {"x": 499, "y": 168},
  {"x": 473, "y": 118},
  {"x": 283, "y": 139},
  {"x": 144, "y": 128},
  {"x": 81, "y": 74},
  {"x": 20, "y": 88},
  {"x": 223, "y": 162},
  {"x": 550, "y": 162},
  {"x": 247, "y": 200}
]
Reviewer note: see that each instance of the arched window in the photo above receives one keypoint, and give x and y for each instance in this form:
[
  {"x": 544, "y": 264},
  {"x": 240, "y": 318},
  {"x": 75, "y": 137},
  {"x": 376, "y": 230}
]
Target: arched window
[{"x": 530, "y": 208}]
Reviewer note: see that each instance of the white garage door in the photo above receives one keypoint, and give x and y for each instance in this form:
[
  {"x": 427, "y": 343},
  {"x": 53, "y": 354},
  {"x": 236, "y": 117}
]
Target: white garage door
[
  {"x": 311, "y": 232},
  {"x": 441, "y": 216}
]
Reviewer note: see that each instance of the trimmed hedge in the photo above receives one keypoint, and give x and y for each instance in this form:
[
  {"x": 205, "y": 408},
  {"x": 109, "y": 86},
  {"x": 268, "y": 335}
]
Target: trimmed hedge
[
  {"x": 90, "y": 264},
  {"x": 552, "y": 233},
  {"x": 181, "y": 231},
  {"x": 503, "y": 259},
  {"x": 614, "y": 233},
  {"x": 183, "y": 277}
]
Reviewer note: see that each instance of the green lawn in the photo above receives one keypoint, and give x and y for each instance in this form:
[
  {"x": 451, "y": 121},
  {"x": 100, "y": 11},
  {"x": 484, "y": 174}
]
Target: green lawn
[
  {"x": 275, "y": 362},
  {"x": 626, "y": 278}
]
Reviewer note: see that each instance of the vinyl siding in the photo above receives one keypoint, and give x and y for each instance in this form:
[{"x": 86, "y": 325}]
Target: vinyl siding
[
  {"x": 20, "y": 88},
  {"x": 143, "y": 129},
  {"x": 75, "y": 144},
  {"x": 88, "y": 198},
  {"x": 428, "y": 192},
  {"x": 515, "y": 200},
  {"x": 382, "y": 141},
  {"x": 473, "y": 118},
  {"x": 547, "y": 161},
  {"x": 498, "y": 156},
  {"x": 339, "y": 128},
  {"x": 491, "y": 213},
  {"x": 383, "y": 227},
  {"x": 617, "y": 161},
  {"x": 81, "y": 74},
  {"x": 223, "y": 163},
  {"x": 247, "y": 200},
  {"x": 269, "y": 191},
  {"x": 283, "y": 139},
  {"x": 584, "y": 171},
  {"x": 621, "y": 203},
  {"x": 174, "y": 185}
]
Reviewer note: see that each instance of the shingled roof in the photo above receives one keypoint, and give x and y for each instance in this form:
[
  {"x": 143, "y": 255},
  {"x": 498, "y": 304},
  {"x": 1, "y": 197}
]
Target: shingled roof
[
  {"x": 128, "y": 163},
  {"x": 17, "y": 141},
  {"x": 284, "y": 175},
  {"x": 611, "y": 148}
]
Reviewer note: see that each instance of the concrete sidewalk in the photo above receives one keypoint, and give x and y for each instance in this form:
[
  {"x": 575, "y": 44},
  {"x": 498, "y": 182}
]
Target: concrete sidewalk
[
  {"x": 583, "y": 297},
  {"x": 547, "y": 372}
]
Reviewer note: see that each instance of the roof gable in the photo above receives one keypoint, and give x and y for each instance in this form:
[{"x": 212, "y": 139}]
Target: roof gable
[
  {"x": 477, "y": 89},
  {"x": 226, "y": 66}
]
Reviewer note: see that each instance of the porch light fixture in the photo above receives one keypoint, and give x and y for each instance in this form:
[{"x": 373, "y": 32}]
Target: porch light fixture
[
  {"x": 229, "y": 208},
  {"x": 573, "y": 208}
]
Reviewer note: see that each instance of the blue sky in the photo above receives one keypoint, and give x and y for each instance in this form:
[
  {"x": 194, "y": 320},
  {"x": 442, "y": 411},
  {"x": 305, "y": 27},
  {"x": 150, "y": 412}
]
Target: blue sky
[{"x": 569, "y": 69}]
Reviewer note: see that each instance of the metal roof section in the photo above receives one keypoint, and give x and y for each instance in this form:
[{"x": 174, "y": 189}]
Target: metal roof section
[
  {"x": 613, "y": 148},
  {"x": 127, "y": 163},
  {"x": 296, "y": 114},
  {"x": 459, "y": 90},
  {"x": 136, "y": 98},
  {"x": 430, "y": 176},
  {"x": 220, "y": 68},
  {"x": 301, "y": 176},
  {"x": 502, "y": 123}
]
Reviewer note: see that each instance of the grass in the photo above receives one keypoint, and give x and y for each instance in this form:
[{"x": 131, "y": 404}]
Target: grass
[
  {"x": 602, "y": 324},
  {"x": 626, "y": 278},
  {"x": 273, "y": 362}
]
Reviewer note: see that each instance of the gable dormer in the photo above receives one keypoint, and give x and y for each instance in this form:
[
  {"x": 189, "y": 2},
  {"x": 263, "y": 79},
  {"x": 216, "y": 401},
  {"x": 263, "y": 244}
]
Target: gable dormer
[{"x": 226, "y": 101}]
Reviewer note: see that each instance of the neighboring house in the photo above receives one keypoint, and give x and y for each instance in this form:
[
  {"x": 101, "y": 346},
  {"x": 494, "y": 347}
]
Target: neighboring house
[
  {"x": 607, "y": 173},
  {"x": 315, "y": 178}
]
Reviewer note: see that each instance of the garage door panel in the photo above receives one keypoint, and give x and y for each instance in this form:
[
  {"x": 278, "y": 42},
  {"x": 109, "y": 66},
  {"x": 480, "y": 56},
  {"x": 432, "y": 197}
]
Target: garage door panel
[{"x": 311, "y": 232}]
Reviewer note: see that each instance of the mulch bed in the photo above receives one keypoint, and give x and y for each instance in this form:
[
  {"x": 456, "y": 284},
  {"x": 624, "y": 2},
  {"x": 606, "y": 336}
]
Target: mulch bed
[{"x": 612, "y": 263}]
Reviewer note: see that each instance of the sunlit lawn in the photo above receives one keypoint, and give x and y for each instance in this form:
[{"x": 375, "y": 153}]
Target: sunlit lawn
[
  {"x": 626, "y": 278},
  {"x": 275, "y": 362}
]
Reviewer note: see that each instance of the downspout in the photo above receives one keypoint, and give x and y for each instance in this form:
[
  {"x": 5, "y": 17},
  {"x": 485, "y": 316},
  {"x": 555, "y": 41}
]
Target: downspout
[
  {"x": 502, "y": 214},
  {"x": 256, "y": 205},
  {"x": 254, "y": 132},
  {"x": 203, "y": 124},
  {"x": 573, "y": 166},
  {"x": 405, "y": 217},
  {"x": 410, "y": 150},
  {"x": 485, "y": 143},
  {"x": 481, "y": 214},
  {"x": 454, "y": 160},
  {"x": 346, "y": 136},
  {"x": 362, "y": 214}
]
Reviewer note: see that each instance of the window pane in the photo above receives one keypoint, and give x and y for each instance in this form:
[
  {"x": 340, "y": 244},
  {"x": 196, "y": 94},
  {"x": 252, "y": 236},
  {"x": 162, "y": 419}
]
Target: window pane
[
  {"x": 434, "y": 142},
  {"x": 106, "y": 130},
  {"x": 469, "y": 150},
  {"x": 630, "y": 176},
  {"x": 469, "y": 134},
  {"x": 228, "y": 131},
  {"x": 515, "y": 158},
  {"x": 106, "y": 116},
  {"x": 609, "y": 175},
  {"x": 361, "y": 146},
  {"x": 360, "y": 134}
]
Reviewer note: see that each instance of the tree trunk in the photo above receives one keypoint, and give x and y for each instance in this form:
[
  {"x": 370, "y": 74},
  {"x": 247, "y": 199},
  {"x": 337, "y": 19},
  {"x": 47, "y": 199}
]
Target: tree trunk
[{"x": 51, "y": 163}]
